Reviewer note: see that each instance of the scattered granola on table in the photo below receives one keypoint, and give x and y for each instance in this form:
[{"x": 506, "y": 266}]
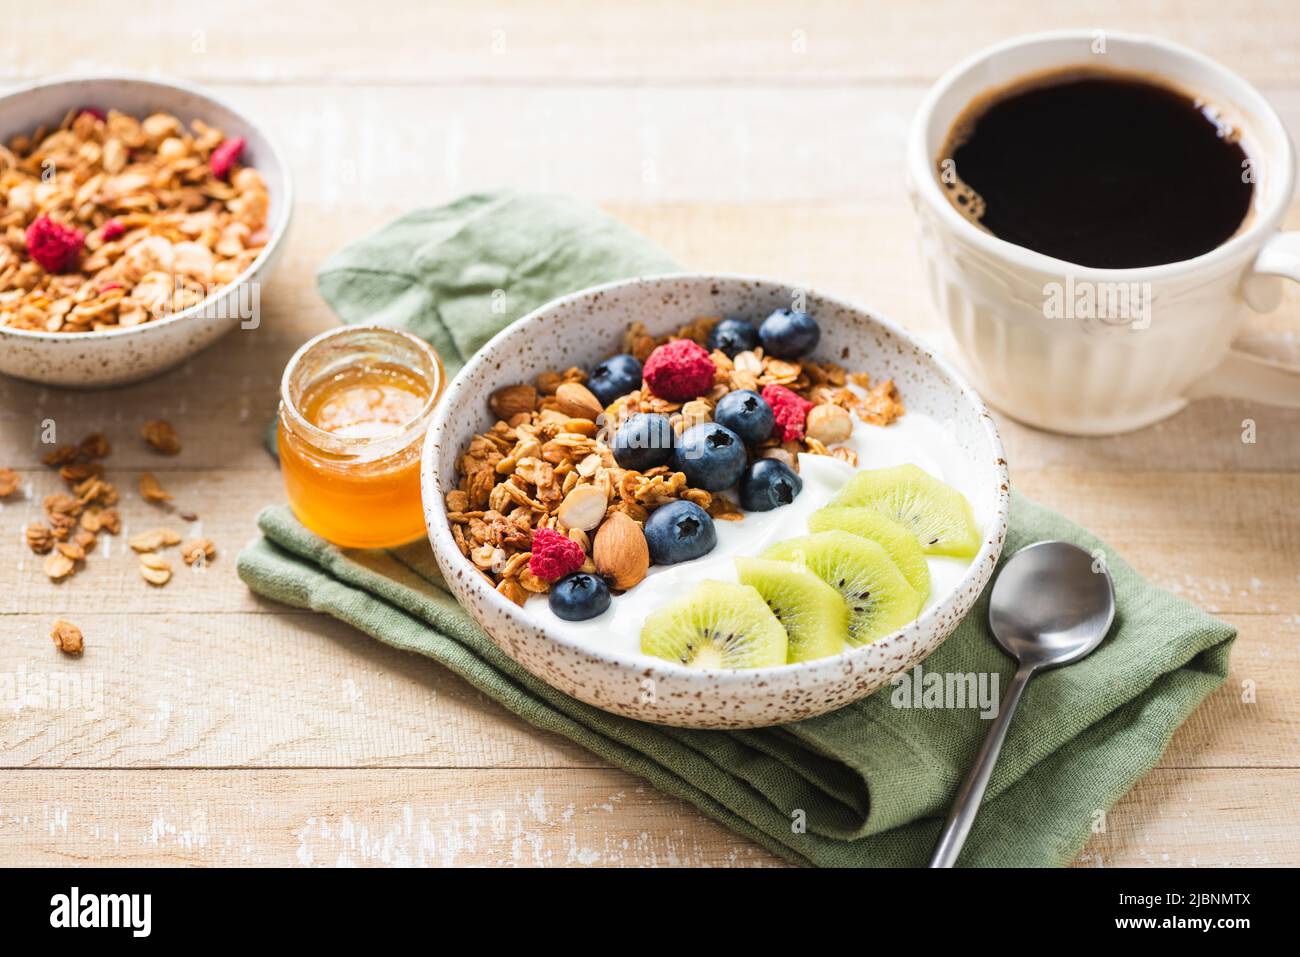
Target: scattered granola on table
[
  {"x": 74, "y": 520},
  {"x": 108, "y": 220},
  {"x": 545, "y": 476}
]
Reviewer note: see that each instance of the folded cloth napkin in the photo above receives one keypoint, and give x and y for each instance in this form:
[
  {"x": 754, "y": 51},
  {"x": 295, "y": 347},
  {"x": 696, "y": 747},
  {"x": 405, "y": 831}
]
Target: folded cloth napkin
[{"x": 867, "y": 785}]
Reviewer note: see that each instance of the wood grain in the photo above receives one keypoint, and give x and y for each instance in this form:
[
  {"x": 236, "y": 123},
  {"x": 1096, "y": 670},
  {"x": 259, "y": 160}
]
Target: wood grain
[
  {"x": 410, "y": 817},
  {"x": 764, "y": 137},
  {"x": 556, "y": 817},
  {"x": 569, "y": 41}
]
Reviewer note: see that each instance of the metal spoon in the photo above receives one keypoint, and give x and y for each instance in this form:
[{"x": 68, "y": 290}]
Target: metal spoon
[{"x": 1051, "y": 605}]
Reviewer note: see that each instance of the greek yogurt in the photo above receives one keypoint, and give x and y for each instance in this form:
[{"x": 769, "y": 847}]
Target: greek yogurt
[{"x": 913, "y": 439}]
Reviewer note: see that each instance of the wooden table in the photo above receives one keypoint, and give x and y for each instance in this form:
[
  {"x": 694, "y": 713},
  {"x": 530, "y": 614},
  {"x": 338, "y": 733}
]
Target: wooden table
[{"x": 761, "y": 137}]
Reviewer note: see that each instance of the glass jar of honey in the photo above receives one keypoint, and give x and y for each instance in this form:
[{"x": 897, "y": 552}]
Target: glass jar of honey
[{"x": 355, "y": 404}]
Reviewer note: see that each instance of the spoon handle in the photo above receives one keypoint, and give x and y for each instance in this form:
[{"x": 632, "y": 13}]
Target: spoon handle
[{"x": 967, "y": 802}]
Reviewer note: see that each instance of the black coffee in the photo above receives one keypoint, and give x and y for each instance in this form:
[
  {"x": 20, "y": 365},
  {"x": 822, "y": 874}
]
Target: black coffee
[{"x": 1099, "y": 169}]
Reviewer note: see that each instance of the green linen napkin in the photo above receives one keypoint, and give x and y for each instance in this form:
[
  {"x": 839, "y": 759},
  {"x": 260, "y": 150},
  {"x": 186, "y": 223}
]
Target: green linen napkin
[{"x": 867, "y": 785}]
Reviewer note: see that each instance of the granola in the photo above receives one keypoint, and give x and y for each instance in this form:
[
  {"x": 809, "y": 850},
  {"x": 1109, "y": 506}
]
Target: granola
[
  {"x": 109, "y": 220},
  {"x": 546, "y": 463},
  {"x": 74, "y": 519},
  {"x": 161, "y": 436},
  {"x": 67, "y": 638}
]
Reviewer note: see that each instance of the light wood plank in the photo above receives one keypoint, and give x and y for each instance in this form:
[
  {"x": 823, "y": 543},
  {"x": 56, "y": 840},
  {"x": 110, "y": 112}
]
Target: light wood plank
[
  {"x": 566, "y": 41},
  {"x": 240, "y": 690},
  {"x": 375, "y": 148},
  {"x": 516, "y": 818},
  {"x": 1176, "y": 818},
  {"x": 326, "y": 818}
]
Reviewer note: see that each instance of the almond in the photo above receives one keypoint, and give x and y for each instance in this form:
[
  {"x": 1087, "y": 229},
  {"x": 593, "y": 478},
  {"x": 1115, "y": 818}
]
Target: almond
[
  {"x": 576, "y": 401},
  {"x": 512, "y": 400},
  {"x": 582, "y": 508},
  {"x": 620, "y": 551}
]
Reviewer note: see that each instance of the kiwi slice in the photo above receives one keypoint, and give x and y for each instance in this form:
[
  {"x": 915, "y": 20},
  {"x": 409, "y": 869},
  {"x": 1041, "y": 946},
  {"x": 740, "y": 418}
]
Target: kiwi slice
[
  {"x": 938, "y": 515},
  {"x": 813, "y": 614},
  {"x": 898, "y": 542},
  {"x": 716, "y": 625},
  {"x": 879, "y": 598}
]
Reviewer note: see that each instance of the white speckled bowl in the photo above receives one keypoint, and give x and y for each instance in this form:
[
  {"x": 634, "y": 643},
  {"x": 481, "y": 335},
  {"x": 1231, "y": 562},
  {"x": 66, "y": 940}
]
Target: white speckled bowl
[
  {"x": 119, "y": 356},
  {"x": 585, "y": 327}
]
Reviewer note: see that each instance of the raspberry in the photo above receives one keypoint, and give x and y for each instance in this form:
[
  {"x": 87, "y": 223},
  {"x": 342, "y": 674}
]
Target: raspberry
[
  {"x": 789, "y": 410},
  {"x": 224, "y": 156},
  {"x": 111, "y": 230},
  {"x": 554, "y": 555},
  {"x": 679, "y": 370},
  {"x": 94, "y": 111},
  {"x": 55, "y": 246}
]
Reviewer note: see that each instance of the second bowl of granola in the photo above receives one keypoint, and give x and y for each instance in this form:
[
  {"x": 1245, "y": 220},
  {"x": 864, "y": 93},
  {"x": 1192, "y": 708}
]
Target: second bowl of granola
[
  {"x": 751, "y": 577},
  {"x": 137, "y": 220}
]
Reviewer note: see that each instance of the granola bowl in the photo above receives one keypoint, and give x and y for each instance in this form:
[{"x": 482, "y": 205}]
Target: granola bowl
[
  {"x": 164, "y": 210},
  {"x": 604, "y": 667}
]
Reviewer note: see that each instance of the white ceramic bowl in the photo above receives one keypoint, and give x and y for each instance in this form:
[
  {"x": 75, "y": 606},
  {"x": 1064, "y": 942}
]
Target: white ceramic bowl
[
  {"x": 585, "y": 327},
  {"x": 119, "y": 356}
]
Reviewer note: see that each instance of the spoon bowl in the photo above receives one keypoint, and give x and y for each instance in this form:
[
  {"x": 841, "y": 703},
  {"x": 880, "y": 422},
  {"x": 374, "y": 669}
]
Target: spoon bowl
[{"x": 1051, "y": 604}]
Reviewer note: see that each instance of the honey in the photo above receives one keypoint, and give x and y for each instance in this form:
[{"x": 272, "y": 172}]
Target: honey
[{"x": 355, "y": 404}]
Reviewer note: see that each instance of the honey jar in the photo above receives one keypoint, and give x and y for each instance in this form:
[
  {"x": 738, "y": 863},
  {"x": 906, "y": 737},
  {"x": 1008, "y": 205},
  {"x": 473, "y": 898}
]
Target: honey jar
[{"x": 355, "y": 404}]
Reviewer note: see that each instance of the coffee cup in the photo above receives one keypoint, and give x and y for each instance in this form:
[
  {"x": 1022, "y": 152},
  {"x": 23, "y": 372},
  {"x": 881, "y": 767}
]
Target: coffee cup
[{"x": 1093, "y": 351}]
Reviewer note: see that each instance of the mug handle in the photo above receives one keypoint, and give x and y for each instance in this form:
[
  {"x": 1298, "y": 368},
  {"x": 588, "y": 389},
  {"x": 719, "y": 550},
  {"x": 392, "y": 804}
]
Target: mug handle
[{"x": 1242, "y": 375}]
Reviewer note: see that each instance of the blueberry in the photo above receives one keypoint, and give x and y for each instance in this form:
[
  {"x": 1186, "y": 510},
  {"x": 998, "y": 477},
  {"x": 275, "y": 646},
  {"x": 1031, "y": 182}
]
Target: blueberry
[
  {"x": 578, "y": 597},
  {"x": 616, "y": 376},
  {"x": 732, "y": 336},
  {"x": 678, "y": 532},
  {"x": 787, "y": 334},
  {"x": 643, "y": 441},
  {"x": 768, "y": 484},
  {"x": 711, "y": 455},
  {"x": 746, "y": 414}
]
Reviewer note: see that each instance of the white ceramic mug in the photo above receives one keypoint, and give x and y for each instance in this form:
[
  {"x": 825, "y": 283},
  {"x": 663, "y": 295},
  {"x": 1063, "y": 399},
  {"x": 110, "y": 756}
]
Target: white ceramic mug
[{"x": 1153, "y": 338}]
